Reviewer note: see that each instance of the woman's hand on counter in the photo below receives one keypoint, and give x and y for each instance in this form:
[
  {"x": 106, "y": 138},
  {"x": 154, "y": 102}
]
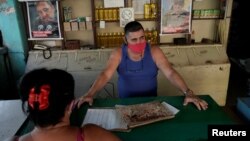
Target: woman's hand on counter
[
  {"x": 83, "y": 99},
  {"x": 199, "y": 103}
]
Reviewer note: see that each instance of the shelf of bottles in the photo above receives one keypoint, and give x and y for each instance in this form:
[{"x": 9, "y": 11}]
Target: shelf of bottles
[
  {"x": 112, "y": 14},
  {"x": 150, "y": 14},
  {"x": 110, "y": 40},
  {"x": 106, "y": 14},
  {"x": 115, "y": 39}
]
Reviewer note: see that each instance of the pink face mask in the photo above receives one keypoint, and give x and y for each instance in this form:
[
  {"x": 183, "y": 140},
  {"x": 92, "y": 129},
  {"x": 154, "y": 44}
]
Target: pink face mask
[{"x": 137, "y": 48}]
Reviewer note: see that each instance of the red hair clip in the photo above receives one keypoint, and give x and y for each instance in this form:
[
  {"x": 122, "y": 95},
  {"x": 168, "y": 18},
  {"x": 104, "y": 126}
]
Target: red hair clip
[{"x": 42, "y": 98}]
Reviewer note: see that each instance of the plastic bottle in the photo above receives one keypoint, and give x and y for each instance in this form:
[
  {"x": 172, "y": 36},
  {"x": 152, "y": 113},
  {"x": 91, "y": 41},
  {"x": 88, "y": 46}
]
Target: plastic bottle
[
  {"x": 101, "y": 13},
  {"x": 114, "y": 11},
  {"x": 147, "y": 11},
  {"x": 106, "y": 14},
  {"x": 153, "y": 10},
  {"x": 97, "y": 13},
  {"x": 155, "y": 36},
  {"x": 193, "y": 37}
]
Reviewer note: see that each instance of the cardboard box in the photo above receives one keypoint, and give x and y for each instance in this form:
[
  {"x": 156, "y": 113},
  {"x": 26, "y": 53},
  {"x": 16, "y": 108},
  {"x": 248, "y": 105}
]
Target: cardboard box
[
  {"x": 82, "y": 26},
  {"x": 88, "y": 19},
  {"x": 74, "y": 26},
  {"x": 66, "y": 26},
  {"x": 89, "y": 25}
]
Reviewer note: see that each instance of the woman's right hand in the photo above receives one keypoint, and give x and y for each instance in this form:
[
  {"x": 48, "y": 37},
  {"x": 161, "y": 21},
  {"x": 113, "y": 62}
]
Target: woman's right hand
[{"x": 83, "y": 99}]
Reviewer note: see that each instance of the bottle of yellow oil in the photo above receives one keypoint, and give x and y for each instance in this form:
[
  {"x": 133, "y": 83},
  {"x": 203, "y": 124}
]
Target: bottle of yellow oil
[
  {"x": 147, "y": 10},
  {"x": 101, "y": 13}
]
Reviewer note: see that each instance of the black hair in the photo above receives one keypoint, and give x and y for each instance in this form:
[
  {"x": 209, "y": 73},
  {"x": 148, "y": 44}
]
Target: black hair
[
  {"x": 61, "y": 94},
  {"x": 132, "y": 27}
]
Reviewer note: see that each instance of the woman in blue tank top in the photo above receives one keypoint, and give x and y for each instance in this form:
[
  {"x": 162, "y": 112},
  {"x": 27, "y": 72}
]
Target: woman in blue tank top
[
  {"x": 137, "y": 64},
  {"x": 137, "y": 78}
]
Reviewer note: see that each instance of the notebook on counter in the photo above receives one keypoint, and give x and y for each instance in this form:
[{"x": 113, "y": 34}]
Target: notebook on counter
[{"x": 126, "y": 117}]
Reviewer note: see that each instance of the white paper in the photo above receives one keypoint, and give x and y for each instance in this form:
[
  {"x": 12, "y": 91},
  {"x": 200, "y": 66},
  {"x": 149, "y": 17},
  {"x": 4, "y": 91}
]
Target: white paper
[
  {"x": 102, "y": 24},
  {"x": 171, "y": 108},
  {"x": 106, "y": 118},
  {"x": 110, "y": 119},
  {"x": 113, "y": 3},
  {"x": 12, "y": 117}
]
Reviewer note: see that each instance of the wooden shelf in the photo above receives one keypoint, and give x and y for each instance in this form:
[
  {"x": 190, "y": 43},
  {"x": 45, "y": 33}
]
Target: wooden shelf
[
  {"x": 109, "y": 21},
  {"x": 207, "y": 18},
  {"x": 137, "y": 19},
  {"x": 142, "y": 19},
  {"x": 191, "y": 45}
]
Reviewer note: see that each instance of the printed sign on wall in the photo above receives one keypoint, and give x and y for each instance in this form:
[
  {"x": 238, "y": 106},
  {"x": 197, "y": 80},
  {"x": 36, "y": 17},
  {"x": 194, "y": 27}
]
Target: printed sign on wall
[
  {"x": 43, "y": 18},
  {"x": 126, "y": 16}
]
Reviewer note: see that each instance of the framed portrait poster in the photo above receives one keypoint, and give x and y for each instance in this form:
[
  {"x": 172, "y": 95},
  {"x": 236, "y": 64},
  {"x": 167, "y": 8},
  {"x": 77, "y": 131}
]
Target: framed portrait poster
[
  {"x": 43, "y": 19},
  {"x": 176, "y": 16}
]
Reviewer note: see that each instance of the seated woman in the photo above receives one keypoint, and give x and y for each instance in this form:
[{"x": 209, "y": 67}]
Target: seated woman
[{"x": 50, "y": 98}]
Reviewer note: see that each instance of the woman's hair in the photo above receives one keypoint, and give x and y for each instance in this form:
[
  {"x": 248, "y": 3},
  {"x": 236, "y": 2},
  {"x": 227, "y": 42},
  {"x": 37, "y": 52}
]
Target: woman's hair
[
  {"x": 47, "y": 93},
  {"x": 132, "y": 27}
]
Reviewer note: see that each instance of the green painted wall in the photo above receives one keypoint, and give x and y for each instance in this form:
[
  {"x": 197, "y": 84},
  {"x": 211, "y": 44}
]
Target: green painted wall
[{"x": 14, "y": 38}]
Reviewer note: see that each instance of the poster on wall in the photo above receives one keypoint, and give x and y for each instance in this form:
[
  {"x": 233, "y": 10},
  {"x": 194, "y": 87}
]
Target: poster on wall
[
  {"x": 43, "y": 19},
  {"x": 36, "y": 0},
  {"x": 176, "y": 16}
]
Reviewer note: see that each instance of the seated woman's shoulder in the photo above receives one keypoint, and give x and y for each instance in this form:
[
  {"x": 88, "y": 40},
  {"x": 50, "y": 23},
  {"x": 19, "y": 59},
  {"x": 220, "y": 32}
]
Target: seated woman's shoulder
[
  {"x": 13, "y": 138},
  {"x": 26, "y": 137},
  {"x": 95, "y": 133}
]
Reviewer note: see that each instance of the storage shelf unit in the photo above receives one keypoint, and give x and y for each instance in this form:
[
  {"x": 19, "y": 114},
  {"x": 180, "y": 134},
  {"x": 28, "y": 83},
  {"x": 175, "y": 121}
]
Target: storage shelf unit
[{"x": 113, "y": 25}]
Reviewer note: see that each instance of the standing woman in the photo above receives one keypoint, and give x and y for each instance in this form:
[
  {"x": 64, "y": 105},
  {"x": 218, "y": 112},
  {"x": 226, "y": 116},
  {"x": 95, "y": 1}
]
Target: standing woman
[{"x": 49, "y": 95}]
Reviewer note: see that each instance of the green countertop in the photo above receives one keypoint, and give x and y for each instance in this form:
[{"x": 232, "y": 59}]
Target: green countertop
[{"x": 189, "y": 124}]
